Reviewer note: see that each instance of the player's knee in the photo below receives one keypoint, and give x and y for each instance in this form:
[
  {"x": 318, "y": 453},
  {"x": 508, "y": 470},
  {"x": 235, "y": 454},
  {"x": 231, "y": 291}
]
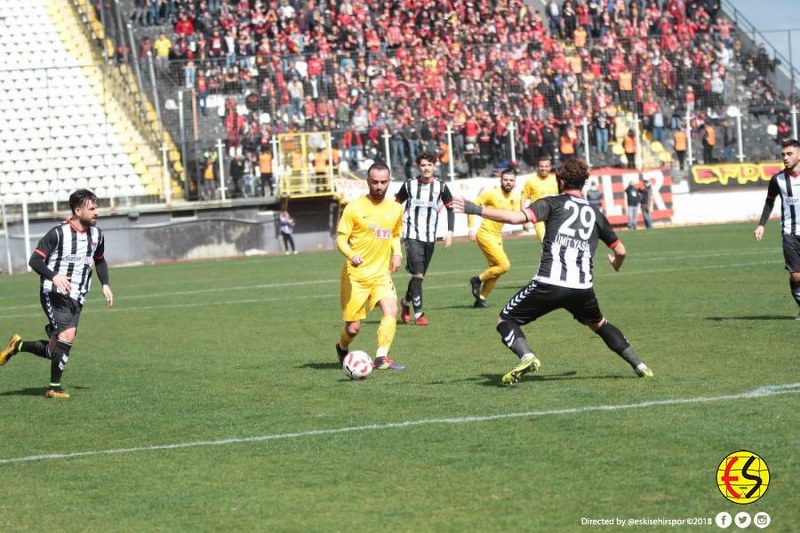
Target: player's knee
[
  {"x": 67, "y": 336},
  {"x": 504, "y": 266},
  {"x": 794, "y": 276},
  {"x": 594, "y": 326},
  {"x": 389, "y": 309},
  {"x": 353, "y": 328}
]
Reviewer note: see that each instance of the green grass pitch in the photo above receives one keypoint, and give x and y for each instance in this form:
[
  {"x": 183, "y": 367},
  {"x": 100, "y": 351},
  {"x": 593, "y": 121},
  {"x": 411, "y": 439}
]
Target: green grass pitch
[{"x": 209, "y": 399}]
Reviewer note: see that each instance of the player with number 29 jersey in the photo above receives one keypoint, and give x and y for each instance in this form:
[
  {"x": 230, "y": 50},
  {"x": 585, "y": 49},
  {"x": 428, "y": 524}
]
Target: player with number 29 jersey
[
  {"x": 564, "y": 279},
  {"x": 570, "y": 240}
]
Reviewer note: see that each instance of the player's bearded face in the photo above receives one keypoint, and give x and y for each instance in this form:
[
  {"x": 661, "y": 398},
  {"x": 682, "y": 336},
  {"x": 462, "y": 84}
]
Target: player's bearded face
[
  {"x": 86, "y": 214},
  {"x": 507, "y": 182},
  {"x": 378, "y": 183}
]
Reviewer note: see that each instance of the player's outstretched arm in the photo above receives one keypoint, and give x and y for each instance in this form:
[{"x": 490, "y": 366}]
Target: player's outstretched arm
[{"x": 492, "y": 213}]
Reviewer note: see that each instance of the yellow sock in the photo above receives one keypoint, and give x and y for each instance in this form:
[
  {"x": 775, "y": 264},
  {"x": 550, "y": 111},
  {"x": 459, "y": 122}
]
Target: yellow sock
[
  {"x": 386, "y": 333},
  {"x": 345, "y": 338},
  {"x": 487, "y": 287}
]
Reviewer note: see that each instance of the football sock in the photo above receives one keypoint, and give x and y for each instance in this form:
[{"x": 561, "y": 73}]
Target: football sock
[
  {"x": 37, "y": 348},
  {"x": 415, "y": 291},
  {"x": 345, "y": 338},
  {"x": 629, "y": 354},
  {"x": 795, "y": 286},
  {"x": 512, "y": 336},
  {"x": 386, "y": 332},
  {"x": 617, "y": 342},
  {"x": 59, "y": 358},
  {"x": 487, "y": 287}
]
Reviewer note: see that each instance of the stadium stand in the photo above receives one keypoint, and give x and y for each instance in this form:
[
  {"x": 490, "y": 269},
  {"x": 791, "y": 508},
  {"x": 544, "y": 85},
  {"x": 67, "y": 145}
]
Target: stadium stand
[
  {"x": 500, "y": 69},
  {"x": 63, "y": 124},
  {"x": 507, "y": 78}
]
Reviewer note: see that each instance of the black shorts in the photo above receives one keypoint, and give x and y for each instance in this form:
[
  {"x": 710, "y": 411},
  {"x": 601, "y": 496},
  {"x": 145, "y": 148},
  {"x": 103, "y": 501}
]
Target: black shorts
[
  {"x": 791, "y": 252},
  {"x": 418, "y": 255},
  {"x": 62, "y": 312},
  {"x": 537, "y": 299}
]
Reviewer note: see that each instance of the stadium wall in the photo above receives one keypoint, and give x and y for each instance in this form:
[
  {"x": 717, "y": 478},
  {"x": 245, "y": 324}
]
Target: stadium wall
[{"x": 163, "y": 235}]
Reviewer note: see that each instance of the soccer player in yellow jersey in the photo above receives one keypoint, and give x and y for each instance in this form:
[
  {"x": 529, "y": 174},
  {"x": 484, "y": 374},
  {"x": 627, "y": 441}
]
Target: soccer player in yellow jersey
[
  {"x": 541, "y": 185},
  {"x": 490, "y": 237},
  {"x": 368, "y": 235}
]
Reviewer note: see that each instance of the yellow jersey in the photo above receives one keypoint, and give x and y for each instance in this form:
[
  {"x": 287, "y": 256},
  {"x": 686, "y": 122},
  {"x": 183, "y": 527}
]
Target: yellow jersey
[
  {"x": 371, "y": 231},
  {"x": 538, "y": 187},
  {"x": 498, "y": 199}
]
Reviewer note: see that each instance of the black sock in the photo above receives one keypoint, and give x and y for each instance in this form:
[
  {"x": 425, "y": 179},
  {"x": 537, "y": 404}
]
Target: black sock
[
  {"x": 37, "y": 348},
  {"x": 617, "y": 342},
  {"x": 511, "y": 335},
  {"x": 795, "y": 287},
  {"x": 58, "y": 360},
  {"x": 415, "y": 291}
]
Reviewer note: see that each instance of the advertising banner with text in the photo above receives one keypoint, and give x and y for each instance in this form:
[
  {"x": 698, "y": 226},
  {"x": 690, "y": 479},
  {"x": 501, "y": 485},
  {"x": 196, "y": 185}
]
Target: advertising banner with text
[{"x": 732, "y": 176}]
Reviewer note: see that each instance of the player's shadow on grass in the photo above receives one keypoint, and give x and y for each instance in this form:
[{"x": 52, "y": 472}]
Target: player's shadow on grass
[
  {"x": 36, "y": 391},
  {"x": 31, "y": 391},
  {"x": 321, "y": 366},
  {"x": 494, "y": 380},
  {"x": 470, "y": 305},
  {"x": 753, "y": 317}
]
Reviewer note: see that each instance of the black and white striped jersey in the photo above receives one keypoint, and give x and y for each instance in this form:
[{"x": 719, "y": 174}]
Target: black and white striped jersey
[
  {"x": 69, "y": 251},
  {"x": 423, "y": 201},
  {"x": 787, "y": 186},
  {"x": 572, "y": 230}
]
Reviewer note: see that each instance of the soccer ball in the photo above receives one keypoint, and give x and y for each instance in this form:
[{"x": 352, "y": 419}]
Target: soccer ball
[{"x": 357, "y": 365}]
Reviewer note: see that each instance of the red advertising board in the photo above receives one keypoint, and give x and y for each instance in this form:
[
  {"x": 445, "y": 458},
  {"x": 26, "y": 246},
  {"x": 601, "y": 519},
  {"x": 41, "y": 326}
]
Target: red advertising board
[{"x": 613, "y": 181}]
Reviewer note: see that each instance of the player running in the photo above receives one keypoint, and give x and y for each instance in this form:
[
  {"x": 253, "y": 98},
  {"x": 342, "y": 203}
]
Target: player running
[
  {"x": 490, "y": 236},
  {"x": 423, "y": 196},
  {"x": 64, "y": 259},
  {"x": 786, "y": 184},
  {"x": 368, "y": 235}
]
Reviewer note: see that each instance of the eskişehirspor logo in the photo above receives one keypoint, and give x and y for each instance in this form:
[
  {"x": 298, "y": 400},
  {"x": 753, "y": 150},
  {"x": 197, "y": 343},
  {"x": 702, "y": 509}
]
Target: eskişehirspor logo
[{"x": 743, "y": 477}]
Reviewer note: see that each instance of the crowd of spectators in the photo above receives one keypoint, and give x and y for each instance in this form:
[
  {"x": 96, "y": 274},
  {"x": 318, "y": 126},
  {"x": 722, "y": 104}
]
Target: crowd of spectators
[{"x": 488, "y": 69}]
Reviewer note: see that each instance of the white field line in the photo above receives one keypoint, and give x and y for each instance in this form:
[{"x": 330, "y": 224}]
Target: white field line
[
  {"x": 760, "y": 392},
  {"x": 10, "y": 311}
]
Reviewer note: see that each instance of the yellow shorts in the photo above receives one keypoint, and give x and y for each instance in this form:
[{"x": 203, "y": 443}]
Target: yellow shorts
[
  {"x": 355, "y": 295},
  {"x": 492, "y": 248}
]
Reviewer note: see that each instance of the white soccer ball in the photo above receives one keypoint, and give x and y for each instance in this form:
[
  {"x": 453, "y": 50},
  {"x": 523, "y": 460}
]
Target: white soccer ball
[{"x": 357, "y": 365}]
